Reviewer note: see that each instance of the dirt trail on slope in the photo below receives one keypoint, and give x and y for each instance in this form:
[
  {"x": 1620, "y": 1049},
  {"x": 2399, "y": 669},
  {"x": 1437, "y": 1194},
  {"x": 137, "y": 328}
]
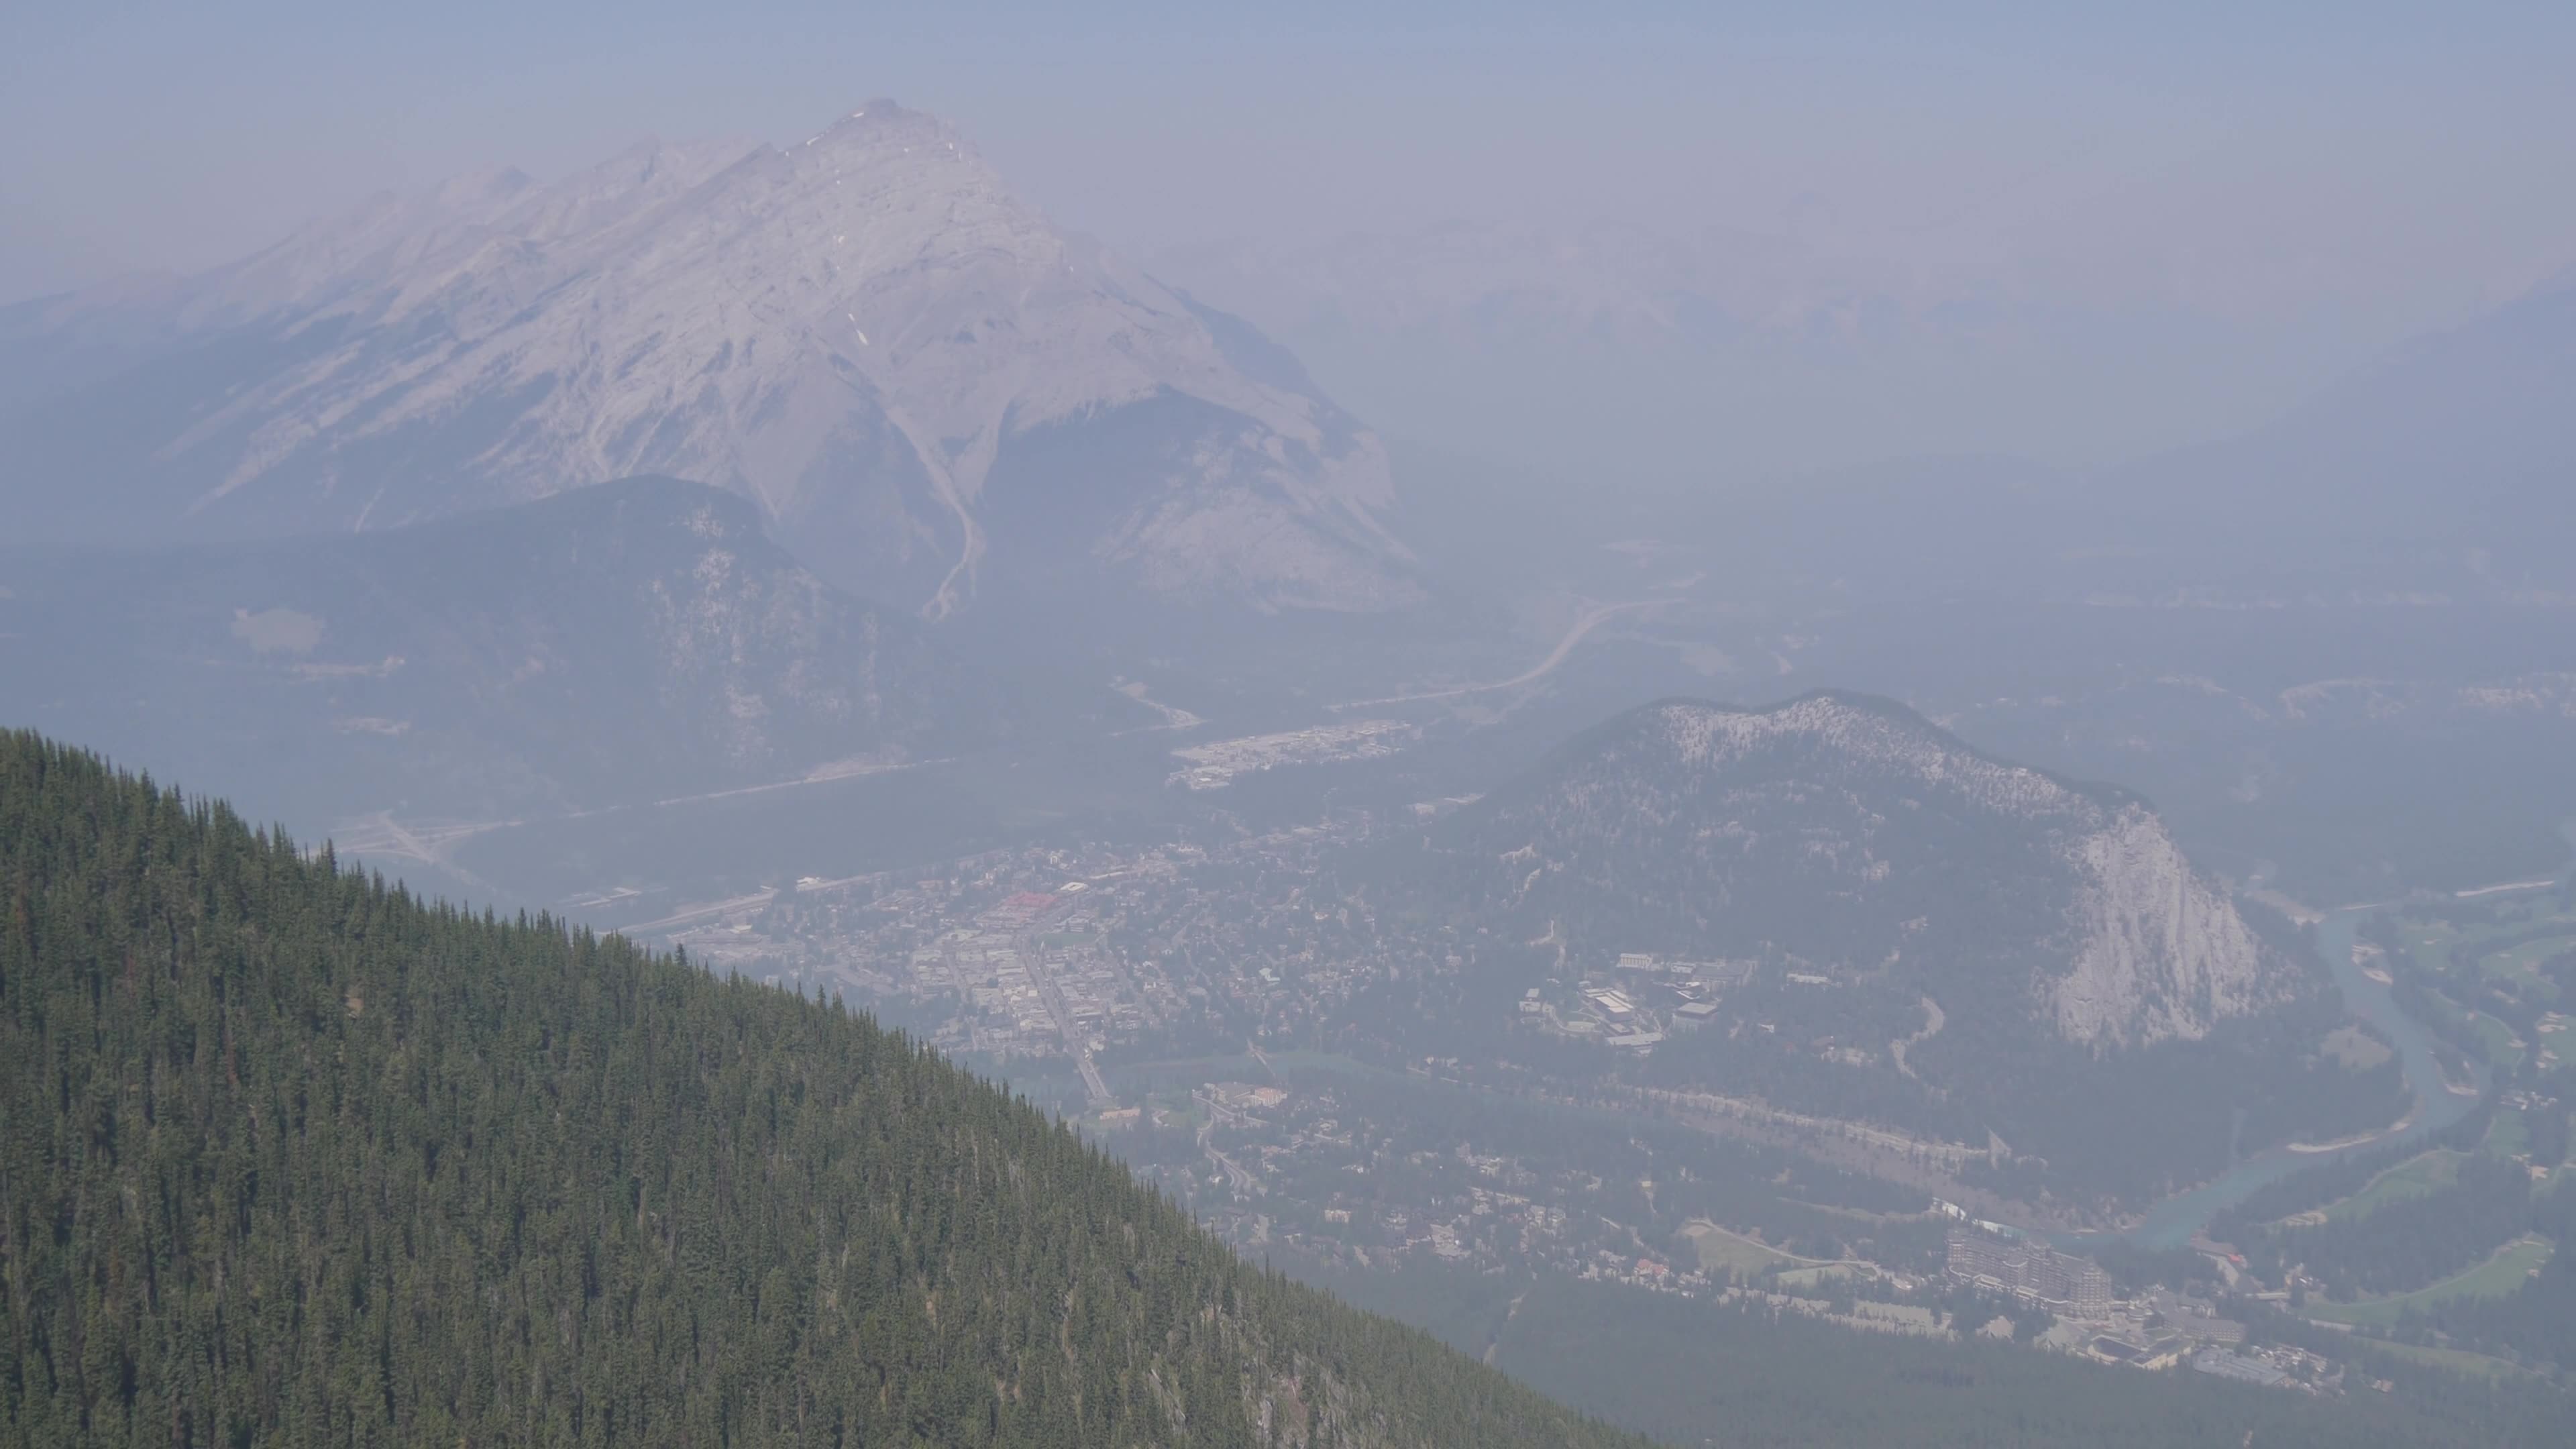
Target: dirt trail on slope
[{"x": 1933, "y": 1021}]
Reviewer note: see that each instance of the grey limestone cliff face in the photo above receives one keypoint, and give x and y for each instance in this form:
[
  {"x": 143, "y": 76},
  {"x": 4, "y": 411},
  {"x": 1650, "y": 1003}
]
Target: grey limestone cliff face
[
  {"x": 2159, "y": 951},
  {"x": 862, "y": 333},
  {"x": 1859, "y": 838}
]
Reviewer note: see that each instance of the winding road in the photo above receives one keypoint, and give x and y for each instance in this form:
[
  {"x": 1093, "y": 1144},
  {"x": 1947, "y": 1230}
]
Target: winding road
[{"x": 1590, "y": 621}]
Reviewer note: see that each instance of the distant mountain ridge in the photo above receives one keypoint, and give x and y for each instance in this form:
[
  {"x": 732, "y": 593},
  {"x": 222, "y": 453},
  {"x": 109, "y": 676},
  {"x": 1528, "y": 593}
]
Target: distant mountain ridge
[
  {"x": 2449, "y": 465},
  {"x": 929, "y": 389},
  {"x": 644, "y": 635}
]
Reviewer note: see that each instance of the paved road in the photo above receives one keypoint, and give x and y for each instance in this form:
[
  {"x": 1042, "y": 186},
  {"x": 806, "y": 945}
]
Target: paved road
[
  {"x": 683, "y": 917},
  {"x": 1236, "y": 1177},
  {"x": 1564, "y": 647},
  {"x": 1092, "y": 1081}
]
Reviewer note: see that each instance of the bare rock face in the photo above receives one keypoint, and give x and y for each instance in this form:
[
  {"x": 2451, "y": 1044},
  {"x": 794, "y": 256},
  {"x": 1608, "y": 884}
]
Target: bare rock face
[
  {"x": 2159, "y": 952},
  {"x": 1852, "y": 842},
  {"x": 929, "y": 389}
]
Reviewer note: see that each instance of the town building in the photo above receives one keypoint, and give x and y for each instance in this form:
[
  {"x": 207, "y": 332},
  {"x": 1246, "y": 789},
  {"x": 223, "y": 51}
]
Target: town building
[
  {"x": 2227, "y": 1365},
  {"x": 2062, "y": 1283}
]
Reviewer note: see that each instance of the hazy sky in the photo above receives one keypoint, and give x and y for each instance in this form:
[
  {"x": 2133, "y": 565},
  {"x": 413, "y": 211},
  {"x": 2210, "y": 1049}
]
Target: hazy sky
[{"x": 2358, "y": 170}]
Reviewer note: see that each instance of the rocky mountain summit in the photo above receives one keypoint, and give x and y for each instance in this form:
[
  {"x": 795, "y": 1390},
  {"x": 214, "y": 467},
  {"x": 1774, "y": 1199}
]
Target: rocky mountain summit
[
  {"x": 932, "y": 393},
  {"x": 1850, "y": 839}
]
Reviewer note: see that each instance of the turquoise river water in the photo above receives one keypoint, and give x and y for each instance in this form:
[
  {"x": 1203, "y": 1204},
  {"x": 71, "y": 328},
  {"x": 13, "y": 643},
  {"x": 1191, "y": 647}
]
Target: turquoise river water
[{"x": 2172, "y": 1222}]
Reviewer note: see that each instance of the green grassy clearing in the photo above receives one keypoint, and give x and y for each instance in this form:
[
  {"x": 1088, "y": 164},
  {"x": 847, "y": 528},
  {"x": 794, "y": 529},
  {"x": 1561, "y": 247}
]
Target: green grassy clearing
[
  {"x": 1809, "y": 1278},
  {"x": 2477, "y": 1365},
  {"x": 1724, "y": 1252},
  {"x": 2432, "y": 942},
  {"x": 2415, "y": 1177},
  {"x": 2507, "y": 1137},
  {"x": 2494, "y": 1278},
  {"x": 2522, "y": 963},
  {"x": 2356, "y": 1049},
  {"x": 2428, "y": 940}
]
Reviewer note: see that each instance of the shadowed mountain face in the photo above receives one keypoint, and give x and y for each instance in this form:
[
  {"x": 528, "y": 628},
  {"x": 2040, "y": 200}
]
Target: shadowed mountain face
[
  {"x": 926, "y": 387},
  {"x": 2464, "y": 436},
  {"x": 550, "y": 655}
]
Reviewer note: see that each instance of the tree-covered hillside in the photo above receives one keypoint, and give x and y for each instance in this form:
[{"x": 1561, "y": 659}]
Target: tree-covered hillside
[
  {"x": 635, "y": 640},
  {"x": 289, "y": 1156},
  {"x": 1884, "y": 924}
]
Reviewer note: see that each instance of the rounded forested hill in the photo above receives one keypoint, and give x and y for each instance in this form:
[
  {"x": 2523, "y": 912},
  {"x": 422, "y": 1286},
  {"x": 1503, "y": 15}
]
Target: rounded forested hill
[{"x": 290, "y": 1157}]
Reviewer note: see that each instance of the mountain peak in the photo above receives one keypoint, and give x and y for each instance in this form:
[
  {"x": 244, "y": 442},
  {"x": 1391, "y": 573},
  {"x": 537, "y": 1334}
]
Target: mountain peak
[
  {"x": 935, "y": 392},
  {"x": 883, "y": 123},
  {"x": 492, "y": 187},
  {"x": 885, "y": 111}
]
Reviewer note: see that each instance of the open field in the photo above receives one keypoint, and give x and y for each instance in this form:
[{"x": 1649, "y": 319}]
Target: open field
[
  {"x": 2496, "y": 1039},
  {"x": 1722, "y": 1251},
  {"x": 2355, "y": 1048},
  {"x": 2427, "y": 942},
  {"x": 2522, "y": 962},
  {"x": 2508, "y": 1137},
  {"x": 2415, "y": 1177},
  {"x": 2494, "y": 1278},
  {"x": 2432, "y": 942},
  {"x": 1810, "y": 1278},
  {"x": 2476, "y": 1365}
]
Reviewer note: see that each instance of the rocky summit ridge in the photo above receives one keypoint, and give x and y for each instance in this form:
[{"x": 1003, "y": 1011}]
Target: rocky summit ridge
[{"x": 926, "y": 385}]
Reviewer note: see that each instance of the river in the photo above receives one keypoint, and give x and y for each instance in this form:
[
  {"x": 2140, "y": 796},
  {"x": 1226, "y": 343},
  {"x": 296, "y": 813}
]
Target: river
[{"x": 2172, "y": 1222}]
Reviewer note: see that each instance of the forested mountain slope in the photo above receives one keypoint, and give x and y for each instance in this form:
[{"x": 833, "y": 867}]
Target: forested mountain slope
[
  {"x": 288, "y": 1156},
  {"x": 634, "y": 640},
  {"x": 1890, "y": 925},
  {"x": 1851, "y": 836}
]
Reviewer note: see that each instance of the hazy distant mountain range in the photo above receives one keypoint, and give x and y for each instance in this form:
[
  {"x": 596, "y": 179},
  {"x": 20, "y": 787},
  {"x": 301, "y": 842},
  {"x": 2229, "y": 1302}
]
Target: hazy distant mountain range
[
  {"x": 928, "y": 388},
  {"x": 1742, "y": 355},
  {"x": 935, "y": 402},
  {"x": 2456, "y": 449},
  {"x": 1727, "y": 362}
]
